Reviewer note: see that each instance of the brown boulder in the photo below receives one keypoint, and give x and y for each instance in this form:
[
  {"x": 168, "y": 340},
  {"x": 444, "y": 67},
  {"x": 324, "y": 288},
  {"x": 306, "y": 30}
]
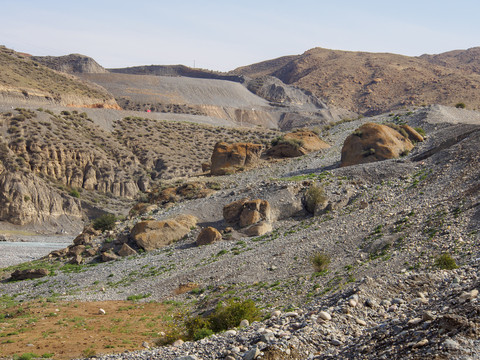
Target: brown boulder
[
  {"x": 87, "y": 235},
  {"x": 297, "y": 143},
  {"x": 229, "y": 158},
  {"x": 76, "y": 260},
  {"x": 108, "y": 256},
  {"x": 75, "y": 250},
  {"x": 207, "y": 236},
  {"x": 154, "y": 234},
  {"x": 28, "y": 274},
  {"x": 258, "y": 229},
  {"x": 126, "y": 250},
  {"x": 374, "y": 142},
  {"x": 246, "y": 212}
]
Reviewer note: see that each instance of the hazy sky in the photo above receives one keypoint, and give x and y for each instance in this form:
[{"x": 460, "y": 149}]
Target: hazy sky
[{"x": 225, "y": 34}]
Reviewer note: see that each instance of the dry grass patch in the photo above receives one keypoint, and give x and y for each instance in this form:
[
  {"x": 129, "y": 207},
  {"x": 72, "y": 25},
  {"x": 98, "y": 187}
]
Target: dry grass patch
[{"x": 68, "y": 330}]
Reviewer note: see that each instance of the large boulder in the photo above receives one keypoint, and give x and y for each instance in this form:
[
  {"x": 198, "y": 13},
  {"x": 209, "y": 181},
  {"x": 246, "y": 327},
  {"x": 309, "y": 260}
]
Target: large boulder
[
  {"x": 295, "y": 144},
  {"x": 155, "y": 234},
  {"x": 246, "y": 212},
  {"x": 208, "y": 235},
  {"x": 252, "y": 216},
  {"x": 28, "y": 274},
  {"x": 229, "y": 158},
  {"x": 375, "y": 142}
]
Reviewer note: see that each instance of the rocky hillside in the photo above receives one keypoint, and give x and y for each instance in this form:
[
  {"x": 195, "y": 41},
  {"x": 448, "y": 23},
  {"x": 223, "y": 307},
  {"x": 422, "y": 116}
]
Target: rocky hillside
[
  {"x": 371, "y": 272},
  {"x": 73, "y": 63},
  {"x": 66, "y": 163},
  {"x": 372, "y": 83},
  {"x": 467, "y": 60},
  {"x": 24, "y": 81},
  {"x": 270, "y": 104}
]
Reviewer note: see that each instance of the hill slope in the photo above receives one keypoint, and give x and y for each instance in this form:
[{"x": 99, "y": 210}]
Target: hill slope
[
  {"x": 372, "y": 83},
  {"x": 24, "y": 80},
  {"x": 384, "y": 289}
]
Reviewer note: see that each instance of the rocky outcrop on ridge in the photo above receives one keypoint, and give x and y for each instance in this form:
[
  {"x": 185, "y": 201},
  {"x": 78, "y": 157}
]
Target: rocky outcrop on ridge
[{"x": 72, "y": 64}]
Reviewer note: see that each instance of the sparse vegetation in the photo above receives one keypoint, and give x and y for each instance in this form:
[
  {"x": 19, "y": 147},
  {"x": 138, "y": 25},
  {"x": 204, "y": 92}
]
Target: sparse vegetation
[
  {"x": 445, "y": 262},
  {"x": 320, "y": 261},
  {"x": 460, "y": 105},
  {"x": 314, "y": 196},
  {"x": 105, "y": 222}
]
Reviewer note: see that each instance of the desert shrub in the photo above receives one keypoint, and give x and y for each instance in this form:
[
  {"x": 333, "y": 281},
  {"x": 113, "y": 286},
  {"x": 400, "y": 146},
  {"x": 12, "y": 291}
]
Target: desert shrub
[
  {"x": 445, "y": 262},
  {"x": 75, "y": 193},
  {"x": 314, "y": 196},
  {"x": 320, "y": 261},
  {"x": 230, "y": 315},
  {"x": 223, "y": 318},
  {"x": 279, "y": 140},
  {"x": 460, "y": 105},
  {"x": 105, "y": 222}
]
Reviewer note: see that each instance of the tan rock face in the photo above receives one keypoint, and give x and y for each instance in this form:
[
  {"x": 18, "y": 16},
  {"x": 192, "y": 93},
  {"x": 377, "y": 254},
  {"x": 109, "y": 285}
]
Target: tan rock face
[
  {"x": 126, "y": 250},
  {"x": 153, "y": 234},
  {"x": 253, "y": 216},
  {"x": 259, "y": 229},
  {"x": 374, "y": 142},
  {"x": 246, "y": 212},
  {"x": 25, "y": 199},
  {"x": 229, "y": 158},
  {"x": 208, "y": 235},
  {"x": 290, "y": 145}
]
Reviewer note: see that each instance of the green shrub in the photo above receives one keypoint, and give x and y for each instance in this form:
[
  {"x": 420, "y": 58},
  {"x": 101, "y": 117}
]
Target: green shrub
[
  {"x": 445, "y": 262},
  {"x": 460, "y": 105},
  {"x": 230, "y": 315},
  {"x": 314, "y": 196},
  {"x": 75, "y": 193},
  {"x": 320, "y": 261},
  {"x": 105, "y": 222},
  {"x": 223, "y": 318}
]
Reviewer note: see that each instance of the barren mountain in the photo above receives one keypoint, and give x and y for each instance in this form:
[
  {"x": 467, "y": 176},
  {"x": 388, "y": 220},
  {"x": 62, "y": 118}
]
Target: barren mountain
[
  {"x": 371, "y": 83},
  {"x": 467, "y": 60},
  {"x": 23, "y": 80}
]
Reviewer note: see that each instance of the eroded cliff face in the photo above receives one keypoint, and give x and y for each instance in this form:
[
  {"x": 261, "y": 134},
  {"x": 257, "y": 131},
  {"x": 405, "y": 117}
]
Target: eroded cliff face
[
  {"x": 26, "y": 199},
  {"x": 65, "y": 164}
]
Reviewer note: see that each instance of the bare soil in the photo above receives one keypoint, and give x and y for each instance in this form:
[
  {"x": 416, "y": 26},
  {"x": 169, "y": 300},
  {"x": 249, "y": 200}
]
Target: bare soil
[{"x": 66, "y": 330}]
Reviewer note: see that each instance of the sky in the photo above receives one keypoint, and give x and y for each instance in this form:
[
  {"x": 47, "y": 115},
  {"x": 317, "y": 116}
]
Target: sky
[{"x": 225, "y": 34}]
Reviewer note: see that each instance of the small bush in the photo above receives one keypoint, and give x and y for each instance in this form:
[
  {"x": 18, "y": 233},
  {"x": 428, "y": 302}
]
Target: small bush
[
  {"x": 445, "y": 262},
  {"x": 74, "y": 193},
  {"x": 105, "y": 222},
  {"x": 223, "y": 318},
  {"x": 229, "y": 316},
  {"x": 460, "y": 105},
  {"x": 314, "y": 196},
  {"x": 320, "y": 261}
]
